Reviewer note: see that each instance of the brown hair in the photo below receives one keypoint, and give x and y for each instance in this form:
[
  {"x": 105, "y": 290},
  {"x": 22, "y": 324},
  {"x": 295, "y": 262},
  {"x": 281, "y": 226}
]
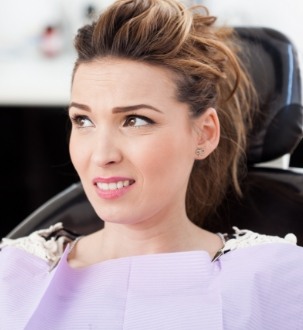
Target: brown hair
[{"x": 209, "y": 74}]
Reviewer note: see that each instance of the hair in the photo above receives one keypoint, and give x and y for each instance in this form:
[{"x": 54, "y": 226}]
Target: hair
[{"x": 208, "y": 72}]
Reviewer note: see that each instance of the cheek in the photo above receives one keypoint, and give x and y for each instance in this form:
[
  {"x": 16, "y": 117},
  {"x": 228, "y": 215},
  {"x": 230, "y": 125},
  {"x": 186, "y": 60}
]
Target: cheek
[
  {"x": 77, "y": 153},
  {"x": 167, "y": 158}
]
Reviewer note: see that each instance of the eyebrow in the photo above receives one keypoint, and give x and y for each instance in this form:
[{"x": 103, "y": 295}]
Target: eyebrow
[
  {"x": 134, "y": 107},
  {"x": 116, "y": 109},
  {"x": 79, "y": 106}
]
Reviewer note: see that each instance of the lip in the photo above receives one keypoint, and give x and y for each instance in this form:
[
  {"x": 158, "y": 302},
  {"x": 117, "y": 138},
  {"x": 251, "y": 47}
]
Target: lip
[{"x": 115, "y": 193}]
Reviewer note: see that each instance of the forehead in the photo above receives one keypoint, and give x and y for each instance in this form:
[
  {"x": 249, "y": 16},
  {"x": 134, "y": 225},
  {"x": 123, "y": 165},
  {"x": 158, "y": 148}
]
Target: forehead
[{"x": 116, "y": 73}]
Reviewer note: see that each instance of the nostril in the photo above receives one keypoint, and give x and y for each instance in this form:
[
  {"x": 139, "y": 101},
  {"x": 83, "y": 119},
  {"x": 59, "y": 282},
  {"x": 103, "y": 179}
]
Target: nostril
[{"x": 111, "y": 162}]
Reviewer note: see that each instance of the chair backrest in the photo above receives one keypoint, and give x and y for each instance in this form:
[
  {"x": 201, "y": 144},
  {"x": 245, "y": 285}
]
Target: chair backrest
[
  {"x": 272, "y": 61},
  {"x": 273, "y": 198},
  {"x": 70, "y": 207}
]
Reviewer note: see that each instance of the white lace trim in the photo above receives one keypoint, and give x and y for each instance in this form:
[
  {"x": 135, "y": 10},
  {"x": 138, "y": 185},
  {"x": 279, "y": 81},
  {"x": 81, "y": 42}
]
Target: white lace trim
[
  {"x": 246, "y": 238},
  {"x": 49, "y": 250}
]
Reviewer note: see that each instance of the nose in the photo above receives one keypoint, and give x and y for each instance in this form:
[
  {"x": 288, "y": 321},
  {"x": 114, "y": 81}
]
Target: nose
[{"x": 107, "y": 150}]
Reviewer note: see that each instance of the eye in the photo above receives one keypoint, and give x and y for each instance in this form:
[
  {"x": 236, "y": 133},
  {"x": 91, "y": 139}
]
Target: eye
[
  {"x": 137, "y": 121},
  {"x": 81, "y": 121}
]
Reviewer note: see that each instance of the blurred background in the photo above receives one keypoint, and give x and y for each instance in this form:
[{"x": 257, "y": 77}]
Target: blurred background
[{"x": 36, "y": 60}]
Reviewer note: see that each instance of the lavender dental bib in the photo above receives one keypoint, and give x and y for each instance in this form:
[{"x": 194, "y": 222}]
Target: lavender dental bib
[{"x": 258, "y": 287}]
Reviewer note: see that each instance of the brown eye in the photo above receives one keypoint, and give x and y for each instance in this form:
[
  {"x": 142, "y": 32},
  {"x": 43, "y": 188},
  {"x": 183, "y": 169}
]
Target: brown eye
[
  {"x": 131, "y": 121},
  {"x": 137, "y": 121},
  {"x": 82, "y": 121}
]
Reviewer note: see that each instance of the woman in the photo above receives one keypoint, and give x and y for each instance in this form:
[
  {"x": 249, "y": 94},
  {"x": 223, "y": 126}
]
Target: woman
[{"x": 159, "y": 106}]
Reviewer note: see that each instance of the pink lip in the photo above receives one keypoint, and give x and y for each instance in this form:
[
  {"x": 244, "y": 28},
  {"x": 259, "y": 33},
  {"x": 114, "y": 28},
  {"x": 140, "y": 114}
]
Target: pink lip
[{"x": 112, "y": 194}]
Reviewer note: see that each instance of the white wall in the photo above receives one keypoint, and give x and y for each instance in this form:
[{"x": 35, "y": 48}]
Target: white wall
[
  {"x": 285, "y": 16},
  {"x": 29, "y": 77}
]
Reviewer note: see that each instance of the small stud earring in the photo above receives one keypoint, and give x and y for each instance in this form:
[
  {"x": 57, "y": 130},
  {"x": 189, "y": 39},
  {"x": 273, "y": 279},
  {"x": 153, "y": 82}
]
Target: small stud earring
[{"x": 199, "y": 152}]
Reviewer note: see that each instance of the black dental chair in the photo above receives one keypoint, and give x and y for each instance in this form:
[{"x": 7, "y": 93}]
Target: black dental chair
[{"x": 272, "y": 200}]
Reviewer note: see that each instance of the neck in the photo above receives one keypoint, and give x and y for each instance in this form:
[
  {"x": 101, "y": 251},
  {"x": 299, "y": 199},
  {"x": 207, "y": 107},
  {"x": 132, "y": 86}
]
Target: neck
[
  {"x": 176, "y": 234},
  {"x": 126, "y": 240}
]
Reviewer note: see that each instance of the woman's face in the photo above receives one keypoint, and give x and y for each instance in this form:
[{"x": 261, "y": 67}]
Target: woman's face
[{"x": 132, "y": 143}]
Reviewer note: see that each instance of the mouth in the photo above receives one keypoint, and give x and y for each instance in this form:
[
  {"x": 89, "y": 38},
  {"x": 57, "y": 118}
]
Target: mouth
[{"x": 112, "y": 186}]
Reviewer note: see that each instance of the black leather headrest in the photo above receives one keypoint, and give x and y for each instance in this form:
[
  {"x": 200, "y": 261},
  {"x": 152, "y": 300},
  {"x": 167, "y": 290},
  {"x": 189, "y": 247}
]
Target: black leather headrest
[{"x": 272, "y": 61}]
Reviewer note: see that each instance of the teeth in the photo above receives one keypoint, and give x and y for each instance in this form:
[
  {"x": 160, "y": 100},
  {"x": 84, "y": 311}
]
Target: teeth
[
  {"x": 119, "y": 184},
  {"x": 113, "y": 185}
]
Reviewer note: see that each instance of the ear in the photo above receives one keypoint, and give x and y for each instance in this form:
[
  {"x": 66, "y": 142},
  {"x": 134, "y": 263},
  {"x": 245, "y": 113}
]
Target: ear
[{"x": 208, "y": 133}]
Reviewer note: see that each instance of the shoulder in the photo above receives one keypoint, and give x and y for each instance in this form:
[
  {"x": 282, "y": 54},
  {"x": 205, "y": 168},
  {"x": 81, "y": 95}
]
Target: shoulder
[
  {"x": 243, "y": 238},
  {"x": 250, "y": 257},
  {"x": 258, "y": 252},
  {"x": 46, "y": 244},
  {"x": 269, "y": 262},
  {"x": 263, "y": 275}
]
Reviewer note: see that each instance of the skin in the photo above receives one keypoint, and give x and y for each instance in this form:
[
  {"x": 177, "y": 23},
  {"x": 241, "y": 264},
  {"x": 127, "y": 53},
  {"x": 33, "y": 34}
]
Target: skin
[{"x": 127, "y": 122}]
